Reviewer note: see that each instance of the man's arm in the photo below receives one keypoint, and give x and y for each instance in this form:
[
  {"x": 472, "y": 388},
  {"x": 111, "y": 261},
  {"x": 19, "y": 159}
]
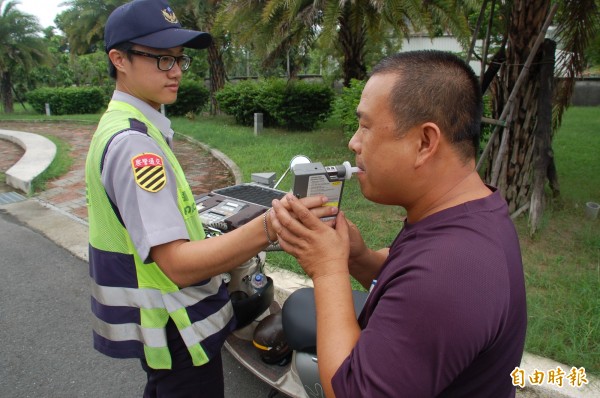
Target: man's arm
[
  {"x": 365, "y": 267},
  {"x": 323, "y": 253},
  {"x": 363, "y": 263}
]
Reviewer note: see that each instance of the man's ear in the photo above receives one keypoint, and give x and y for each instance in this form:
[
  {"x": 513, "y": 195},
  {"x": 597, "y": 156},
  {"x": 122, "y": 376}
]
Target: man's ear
[
  {"x": 117, "y": 58},
  {"x": 430, "y": 137}
]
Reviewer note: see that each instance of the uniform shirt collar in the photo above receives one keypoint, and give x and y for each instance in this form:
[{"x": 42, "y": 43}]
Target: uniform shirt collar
[{"x": 160, "y": 121}]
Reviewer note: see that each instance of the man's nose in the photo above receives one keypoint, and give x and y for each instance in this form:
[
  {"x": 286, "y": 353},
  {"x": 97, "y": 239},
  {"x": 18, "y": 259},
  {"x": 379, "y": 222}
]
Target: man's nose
[{"x": 353, "y": 144}]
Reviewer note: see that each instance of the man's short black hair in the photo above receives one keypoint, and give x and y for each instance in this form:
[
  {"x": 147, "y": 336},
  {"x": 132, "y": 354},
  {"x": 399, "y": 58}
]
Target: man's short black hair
[{"x": 439, "y": 87}]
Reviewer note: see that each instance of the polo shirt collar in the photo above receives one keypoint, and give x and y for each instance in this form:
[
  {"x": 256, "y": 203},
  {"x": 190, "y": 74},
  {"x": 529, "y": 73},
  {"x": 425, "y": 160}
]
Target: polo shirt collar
[{"x": 160, "y": 121}]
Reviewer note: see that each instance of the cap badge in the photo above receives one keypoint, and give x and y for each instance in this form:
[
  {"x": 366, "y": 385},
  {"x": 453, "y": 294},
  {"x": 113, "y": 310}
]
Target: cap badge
[
  {"x": 169, "y": 15},
  {"x": 149, "y": 172}
]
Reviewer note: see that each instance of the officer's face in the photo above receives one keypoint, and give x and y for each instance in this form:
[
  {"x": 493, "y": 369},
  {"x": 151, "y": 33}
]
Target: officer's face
[{"x": 143, "y": 79}]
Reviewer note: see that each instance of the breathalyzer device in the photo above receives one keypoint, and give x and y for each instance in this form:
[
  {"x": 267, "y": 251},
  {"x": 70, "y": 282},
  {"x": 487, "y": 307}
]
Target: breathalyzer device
[{"x": 311, "y": 179}]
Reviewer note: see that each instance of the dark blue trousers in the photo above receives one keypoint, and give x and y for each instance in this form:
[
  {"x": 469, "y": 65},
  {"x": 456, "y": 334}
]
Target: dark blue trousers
[{"x": 184, "y": 380}]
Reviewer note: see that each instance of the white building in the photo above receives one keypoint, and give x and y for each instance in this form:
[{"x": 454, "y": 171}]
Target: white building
[{"x": 443, "y": 43}]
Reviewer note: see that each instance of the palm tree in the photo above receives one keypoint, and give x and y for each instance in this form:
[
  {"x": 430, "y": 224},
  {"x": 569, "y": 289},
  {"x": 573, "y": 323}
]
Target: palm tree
[
  {"x": 83, "y": 23},
  {"x": 201, "y": 15},
  {"x": 344, "y": 25},
  {"x": 21, "y": 47},
  {"x": 524, "y": 163}
]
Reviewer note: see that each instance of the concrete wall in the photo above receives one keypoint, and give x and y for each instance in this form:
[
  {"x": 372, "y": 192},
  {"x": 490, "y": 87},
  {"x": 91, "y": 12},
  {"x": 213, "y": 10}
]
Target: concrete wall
[{"x": 587, "y": 92}]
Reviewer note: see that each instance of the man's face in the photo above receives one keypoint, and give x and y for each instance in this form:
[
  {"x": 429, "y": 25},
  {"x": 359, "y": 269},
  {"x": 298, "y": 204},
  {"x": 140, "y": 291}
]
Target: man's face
[
  {"x": 385, "y": 156},
  {"x": 144, "y": 80}
]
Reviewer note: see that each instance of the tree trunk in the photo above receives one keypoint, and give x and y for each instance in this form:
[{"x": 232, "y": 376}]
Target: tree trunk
[
  {"x": 492, "y": 70},
  {"x": 543, "y": 136},
  {"x": 352, "y": 43},
  {"x": 6, "y": 91},
  {"x": 16, "y": 94},
  {"x": 515, "y": 171},
  {"x": 217, "y": 76}
]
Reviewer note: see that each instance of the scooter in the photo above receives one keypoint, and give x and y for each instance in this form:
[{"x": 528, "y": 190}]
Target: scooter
[{"x": 276, "y": 333}]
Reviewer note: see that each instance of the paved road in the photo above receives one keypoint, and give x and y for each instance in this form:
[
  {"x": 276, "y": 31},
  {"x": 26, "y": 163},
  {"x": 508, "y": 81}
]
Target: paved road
[{"x": 45, "y": 335}]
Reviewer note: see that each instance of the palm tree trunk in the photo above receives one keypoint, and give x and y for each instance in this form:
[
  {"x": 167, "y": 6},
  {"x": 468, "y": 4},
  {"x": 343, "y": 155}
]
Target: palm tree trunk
[
  {"x": 352, "y": 41},
  {"x": 217, "y": 77},
  {"x": 6, "y": 91},
  {"x": 515, "y": 170},
  {"x": 543, "y": 136}
]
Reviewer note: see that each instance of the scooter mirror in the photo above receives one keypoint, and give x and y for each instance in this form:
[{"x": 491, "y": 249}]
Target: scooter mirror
[{"x": 299, "y": 159}]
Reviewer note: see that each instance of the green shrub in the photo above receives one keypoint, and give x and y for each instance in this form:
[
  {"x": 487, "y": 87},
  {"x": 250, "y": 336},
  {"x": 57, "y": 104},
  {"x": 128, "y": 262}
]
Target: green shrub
[
  {"x": 191, "y": 98},
  {"x": 241, "y": 100},
  {"x": 67, "y": 100},
  {"x": 293, "y": 105},
  {"x": 345, "y": 106},
  {"x": 299, "y": 105}
]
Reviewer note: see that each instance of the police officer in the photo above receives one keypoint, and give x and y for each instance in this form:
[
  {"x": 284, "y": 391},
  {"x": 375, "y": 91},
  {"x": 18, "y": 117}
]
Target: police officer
[{"x": 156, "y": 290}]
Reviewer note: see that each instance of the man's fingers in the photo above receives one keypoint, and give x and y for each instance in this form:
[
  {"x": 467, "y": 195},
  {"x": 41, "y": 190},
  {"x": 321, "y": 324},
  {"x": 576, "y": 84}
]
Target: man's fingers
[
  {"x": 283, "y": 221},
  {"x": 295, "y": 224},
  {"x": 311, "y": 218},
  {"x": 310, "y": 202}
]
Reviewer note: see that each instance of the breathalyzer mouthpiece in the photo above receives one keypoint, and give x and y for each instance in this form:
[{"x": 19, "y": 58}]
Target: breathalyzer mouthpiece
[
  {"x": 342, "y": 171},
  {"x": 350, "y": 170}
]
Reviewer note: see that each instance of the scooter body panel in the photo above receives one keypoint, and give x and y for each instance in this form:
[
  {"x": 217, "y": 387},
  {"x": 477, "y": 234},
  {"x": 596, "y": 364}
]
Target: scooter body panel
[{"x": 305, "y": 366}]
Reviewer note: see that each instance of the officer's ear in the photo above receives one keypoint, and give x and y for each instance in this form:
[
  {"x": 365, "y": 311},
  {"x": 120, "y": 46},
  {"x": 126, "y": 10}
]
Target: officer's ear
[{"x": 118, "y": 59}]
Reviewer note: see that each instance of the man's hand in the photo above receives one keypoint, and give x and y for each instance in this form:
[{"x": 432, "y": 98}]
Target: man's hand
[{"x": 320, "y": 249}]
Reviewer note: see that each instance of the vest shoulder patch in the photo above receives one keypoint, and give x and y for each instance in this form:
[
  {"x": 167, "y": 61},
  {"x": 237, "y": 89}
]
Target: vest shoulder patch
[{"x": 149, "y": 171}]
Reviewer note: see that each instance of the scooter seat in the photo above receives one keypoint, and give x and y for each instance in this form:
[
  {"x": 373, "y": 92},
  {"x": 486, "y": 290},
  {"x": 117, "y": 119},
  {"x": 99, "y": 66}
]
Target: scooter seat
[{"x": 299, "y": 318}]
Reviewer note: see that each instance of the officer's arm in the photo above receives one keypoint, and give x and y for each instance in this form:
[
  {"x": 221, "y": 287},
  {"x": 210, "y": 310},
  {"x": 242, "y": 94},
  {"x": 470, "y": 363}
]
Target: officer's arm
[{"x": 188, "y": 262}]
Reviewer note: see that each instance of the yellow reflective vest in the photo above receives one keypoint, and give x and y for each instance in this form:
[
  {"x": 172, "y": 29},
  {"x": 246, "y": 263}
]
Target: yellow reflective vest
[{"x": 132, "y": 301}]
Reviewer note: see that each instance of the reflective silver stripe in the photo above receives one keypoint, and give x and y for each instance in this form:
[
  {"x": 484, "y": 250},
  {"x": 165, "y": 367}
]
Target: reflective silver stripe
[
  {"x": 205, "y": 328},
  {"x": 191, "y": 295},
  {"x": 128, "y": 297},
  {"x": 152, "y": 298},
  {"x": 155, "y": 338}
]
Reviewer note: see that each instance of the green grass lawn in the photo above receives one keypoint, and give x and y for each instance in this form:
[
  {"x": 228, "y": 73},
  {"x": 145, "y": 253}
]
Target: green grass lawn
[{"x": 562, "y": 261}]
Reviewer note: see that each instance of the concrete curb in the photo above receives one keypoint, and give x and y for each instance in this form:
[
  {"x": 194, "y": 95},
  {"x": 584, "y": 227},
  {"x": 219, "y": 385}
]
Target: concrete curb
[
  {"x": 220, "y": 156},
  {"x": 39, "y": 153},
  {"x": 531, "y": 364}
]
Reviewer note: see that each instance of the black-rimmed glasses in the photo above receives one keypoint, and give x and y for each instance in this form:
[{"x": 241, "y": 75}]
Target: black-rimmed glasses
[{"x": 166, "y": 62}]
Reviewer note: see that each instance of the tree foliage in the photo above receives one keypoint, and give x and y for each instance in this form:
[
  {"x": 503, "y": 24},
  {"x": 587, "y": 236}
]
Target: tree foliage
[
  {"x": 21, "y": 48},
  {"x": 577, "y": 24},
  {"x": 277, "y": 26},
  {"x": 201, "y": 15},
  {"x": 83, "y": 23},
  {"x": 592, "y": 53}
]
